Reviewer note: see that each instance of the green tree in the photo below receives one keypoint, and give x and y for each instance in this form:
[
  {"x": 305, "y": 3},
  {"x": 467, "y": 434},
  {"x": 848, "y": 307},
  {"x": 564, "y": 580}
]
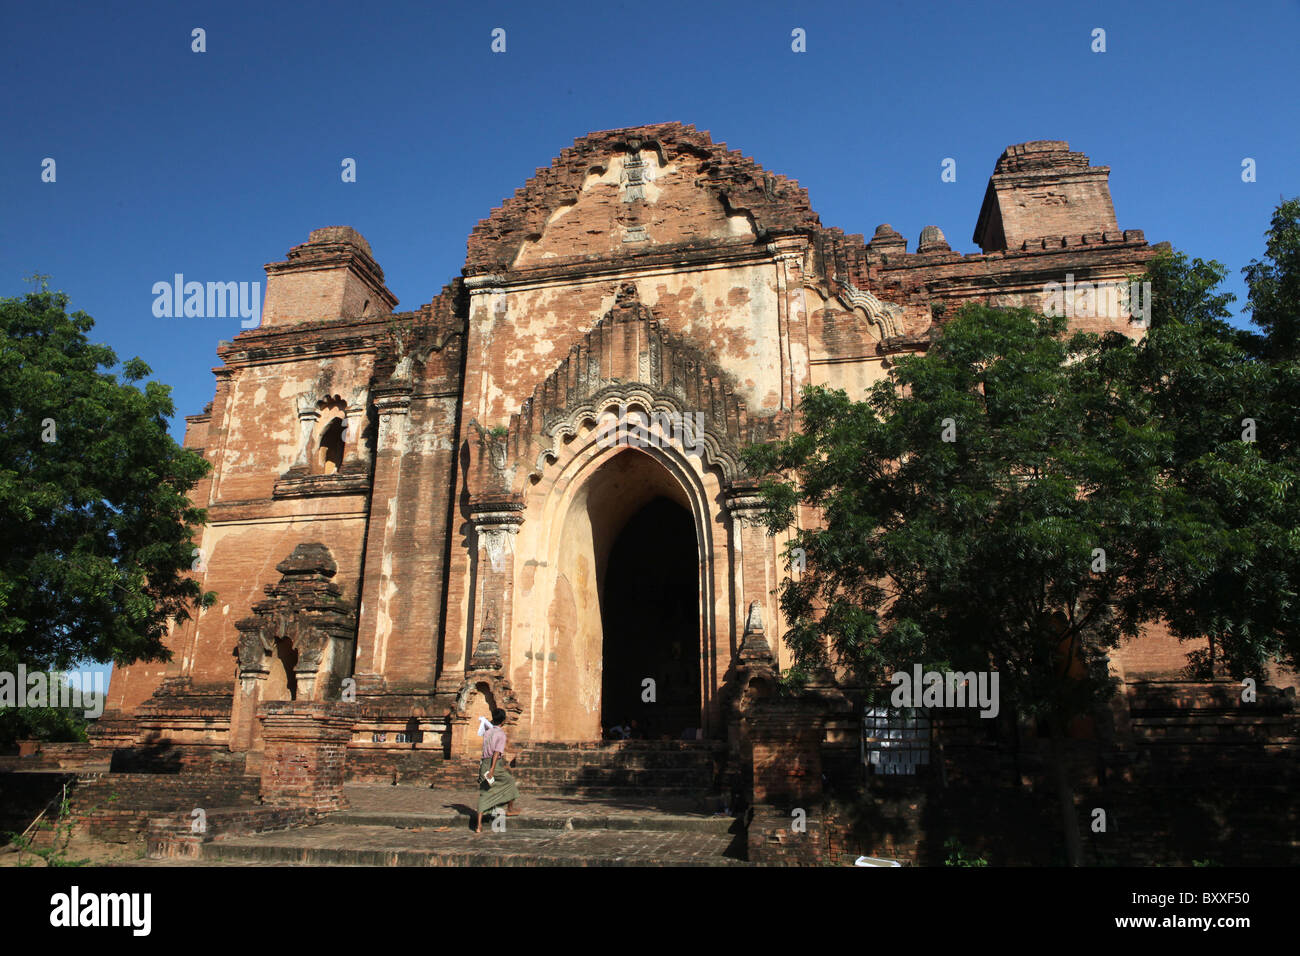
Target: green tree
[
  {"x": 993, "y": 503},
  {"x": 1274, "y": 283},
  {"x": 55, "y": 724},
  {"x": 1022, "y": 498},
  {"x": 1229, "y": 398},
  {"x": 95, "y": 526}
]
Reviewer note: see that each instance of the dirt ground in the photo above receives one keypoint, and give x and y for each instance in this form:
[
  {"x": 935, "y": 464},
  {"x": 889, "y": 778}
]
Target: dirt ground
[{"x": 78, "y": 848}]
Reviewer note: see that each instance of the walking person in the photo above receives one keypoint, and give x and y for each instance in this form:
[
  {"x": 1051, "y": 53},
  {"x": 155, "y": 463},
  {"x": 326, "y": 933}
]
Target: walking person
[{"x": 495, "y": 784}]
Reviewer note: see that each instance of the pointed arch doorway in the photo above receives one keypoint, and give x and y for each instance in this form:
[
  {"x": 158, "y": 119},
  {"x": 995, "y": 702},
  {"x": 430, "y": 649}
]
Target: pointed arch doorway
[{"x": 648, "y": 583}]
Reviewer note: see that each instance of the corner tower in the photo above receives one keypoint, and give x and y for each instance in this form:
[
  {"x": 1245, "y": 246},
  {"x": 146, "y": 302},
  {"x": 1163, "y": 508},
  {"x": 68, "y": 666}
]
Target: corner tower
[
  {"x": 330, "y": 276},
  {"x": 1041, "y": 189}
]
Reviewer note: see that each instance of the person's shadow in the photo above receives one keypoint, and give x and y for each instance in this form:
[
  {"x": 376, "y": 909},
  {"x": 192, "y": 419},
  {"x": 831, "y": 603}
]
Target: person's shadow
[{"x": 469, "y": 812}]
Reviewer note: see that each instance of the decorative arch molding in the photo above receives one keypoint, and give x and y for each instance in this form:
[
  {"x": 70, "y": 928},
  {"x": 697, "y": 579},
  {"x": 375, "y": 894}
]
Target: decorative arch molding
[
  {"x": 575, "y": 465},
  {"x": 887, "y": 316},
  {"x": 716, "y": 449}
]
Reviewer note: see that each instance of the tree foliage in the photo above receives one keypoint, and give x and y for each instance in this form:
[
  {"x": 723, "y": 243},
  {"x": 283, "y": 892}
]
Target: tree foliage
[
  {"x": 1274, "y": 284},
  {"x": 1172, "y": 459},
  {"x": 1022, "y": 498},
  {"x": 1228, "y": 400},
  {"x": 95, "y": 525},
  {"x": 966, "y": 506},
  {"x": 53, "y": 724}
]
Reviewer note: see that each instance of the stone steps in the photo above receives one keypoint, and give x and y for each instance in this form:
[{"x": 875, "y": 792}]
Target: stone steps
[
  {"x": 611, "y": 746},
  {"x": 332, "y": 844},
  {"x": 416, "y": 826},
  {"x": 668, "y": 768},
  {"x": 665, "y": 768},
  {"x": 615, "y": 781}
]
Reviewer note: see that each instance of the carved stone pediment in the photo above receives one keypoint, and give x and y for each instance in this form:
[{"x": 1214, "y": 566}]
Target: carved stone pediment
[
  {"x": 626, "y": 362},
  {"x": 306, "y": 608}
]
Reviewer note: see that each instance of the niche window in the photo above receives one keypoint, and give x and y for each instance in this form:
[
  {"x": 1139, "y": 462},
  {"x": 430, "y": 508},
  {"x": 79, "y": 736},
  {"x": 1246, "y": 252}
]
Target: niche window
[
  {"x": 330, "y": 451},
  {"x": 328, "y": 447}
]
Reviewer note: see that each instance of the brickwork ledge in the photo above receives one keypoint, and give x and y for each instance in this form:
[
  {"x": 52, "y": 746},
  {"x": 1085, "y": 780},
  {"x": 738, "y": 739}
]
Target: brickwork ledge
[{"x": 175, "y": 836}]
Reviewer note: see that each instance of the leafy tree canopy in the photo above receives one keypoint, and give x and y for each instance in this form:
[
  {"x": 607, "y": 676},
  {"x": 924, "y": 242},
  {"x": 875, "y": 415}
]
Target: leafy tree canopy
[
  {"x": 1229, "y": 398},
  {"x": 95, "y": 525},
  {"x": 994, "y": 501},
  {"x": 1022, "y": 497}
]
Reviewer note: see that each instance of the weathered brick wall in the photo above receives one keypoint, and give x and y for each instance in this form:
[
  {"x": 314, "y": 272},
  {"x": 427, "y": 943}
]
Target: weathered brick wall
[
  {"x": 116, "y": 807},
  {"x": 57, "y": 756},
  {"x": 775, "y": 839},
  {"x": 410, "y": 522},
  {"x": 176, "y": 758},
  {"x": 1156, "y": 653},
  {"x": 732, "y": 266},
  {"x": 306, "y": 750},
  {"x": 409, "y": 766},
  {"x": 911, "y": 823},
  {"x": 331, "y": 274},
  {"x": 776, "y": 204},
  {"x": 1042, "y": 189}
]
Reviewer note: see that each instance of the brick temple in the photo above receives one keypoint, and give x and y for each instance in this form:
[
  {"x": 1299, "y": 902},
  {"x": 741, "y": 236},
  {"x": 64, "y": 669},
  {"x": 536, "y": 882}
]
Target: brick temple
[{"x": 418, "y": 516}]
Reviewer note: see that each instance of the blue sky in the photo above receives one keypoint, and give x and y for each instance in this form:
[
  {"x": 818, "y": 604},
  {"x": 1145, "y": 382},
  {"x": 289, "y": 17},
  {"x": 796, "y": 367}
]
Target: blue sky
[{"x": 213, "y": 164}]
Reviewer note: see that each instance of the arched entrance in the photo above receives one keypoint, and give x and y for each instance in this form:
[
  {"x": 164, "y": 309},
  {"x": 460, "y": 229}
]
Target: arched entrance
[
  {"x": 649, "y": 602},
  {"x": 622, "y": 599}
]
